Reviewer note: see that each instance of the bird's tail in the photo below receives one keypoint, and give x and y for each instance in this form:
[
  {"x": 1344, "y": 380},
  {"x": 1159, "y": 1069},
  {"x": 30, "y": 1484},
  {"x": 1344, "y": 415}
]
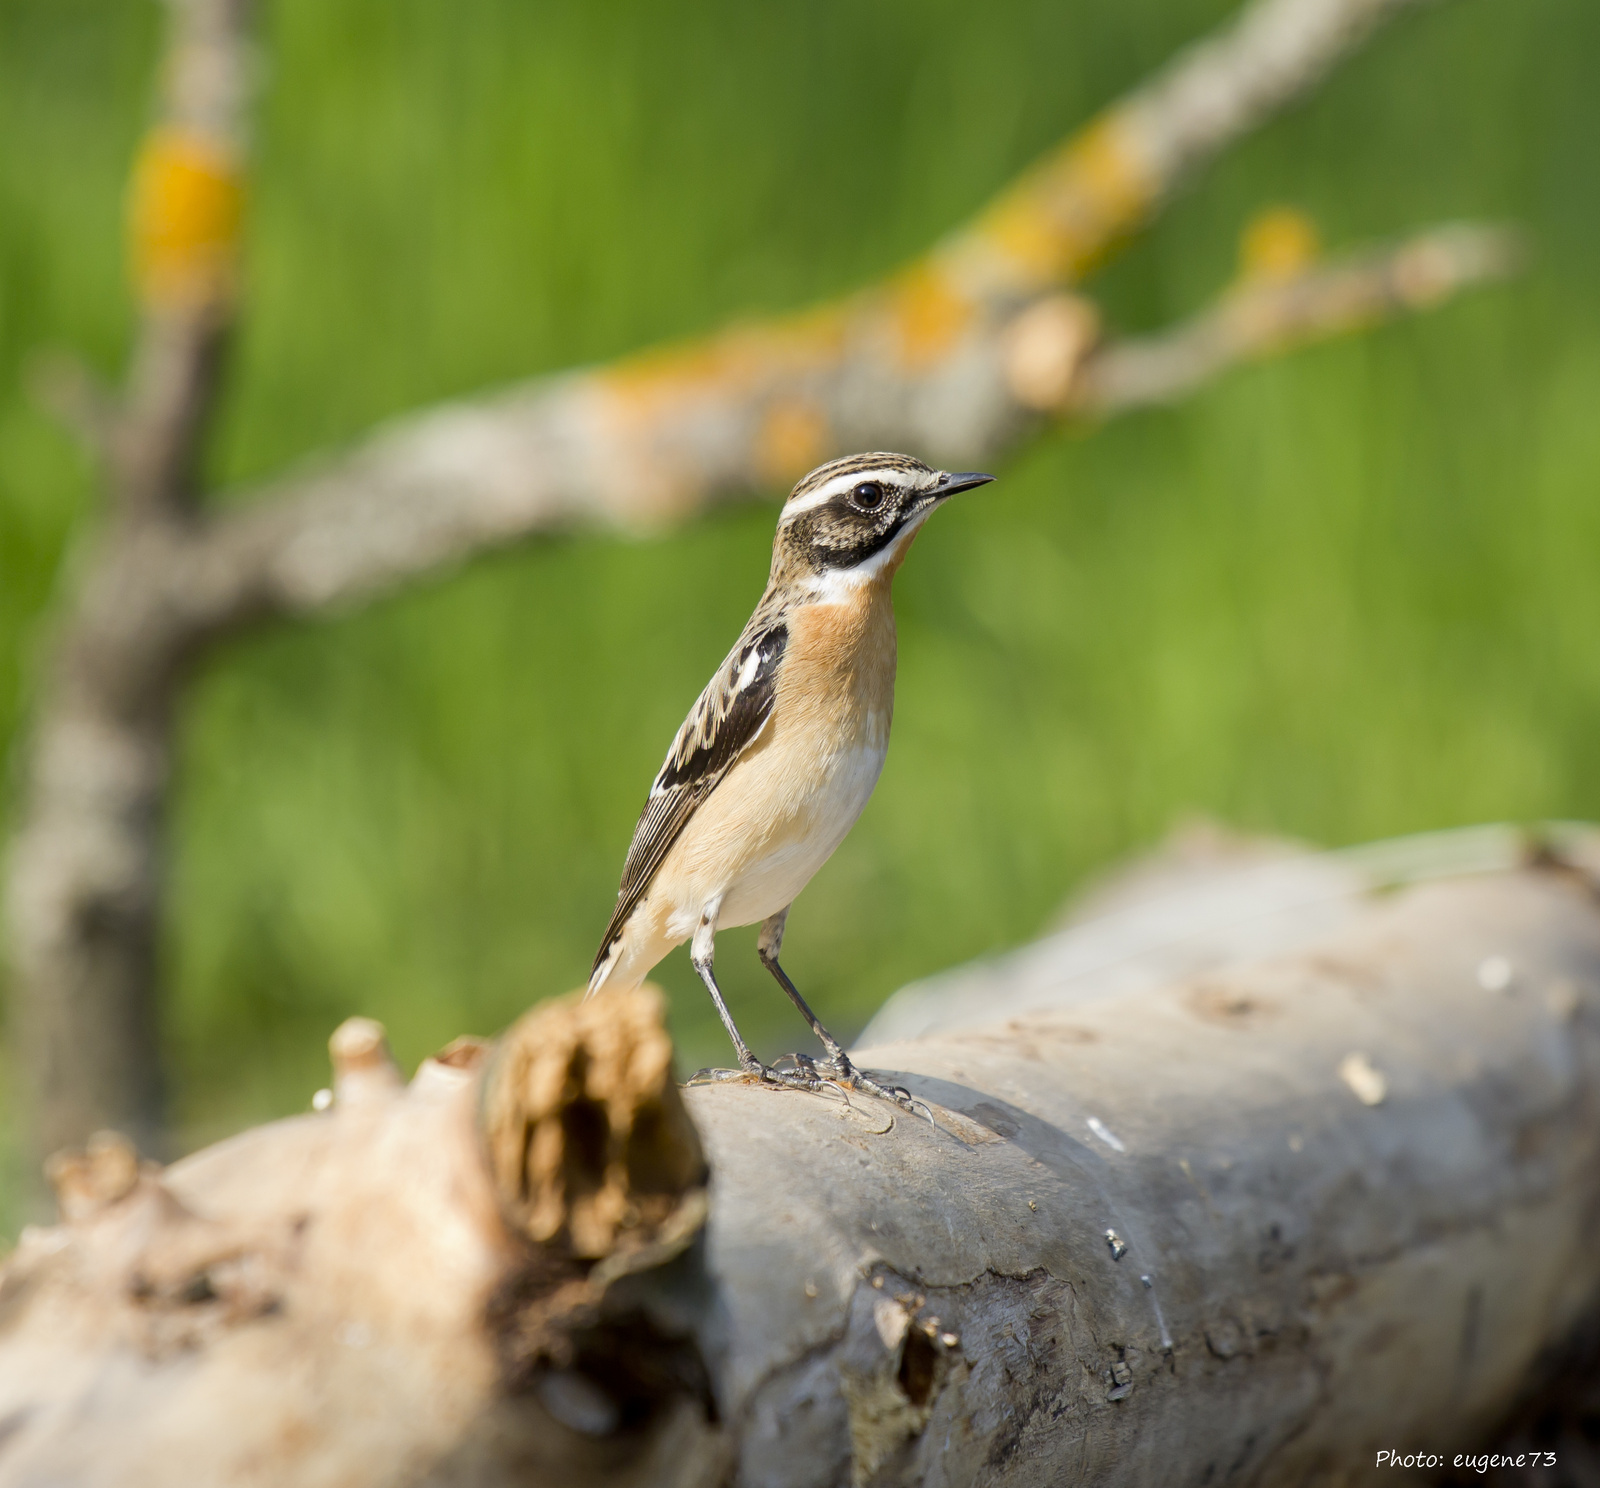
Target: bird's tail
[{"x": 604, "y": 964}]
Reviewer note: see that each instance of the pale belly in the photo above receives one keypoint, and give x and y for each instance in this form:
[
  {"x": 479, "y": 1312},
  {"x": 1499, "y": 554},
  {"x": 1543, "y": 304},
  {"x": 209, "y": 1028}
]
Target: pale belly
[
  {"x": 772, "y": 881},
  {"x": 806, "y": 814}
]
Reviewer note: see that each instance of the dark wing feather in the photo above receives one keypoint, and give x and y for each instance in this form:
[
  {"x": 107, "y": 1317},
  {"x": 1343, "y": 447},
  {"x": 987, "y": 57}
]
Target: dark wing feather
[{"x": 725, "y": 720}]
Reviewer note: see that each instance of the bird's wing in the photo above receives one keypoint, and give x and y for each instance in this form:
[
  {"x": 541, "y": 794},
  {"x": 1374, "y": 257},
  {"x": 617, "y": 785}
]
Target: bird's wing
[{"x": 727, "y": 719}]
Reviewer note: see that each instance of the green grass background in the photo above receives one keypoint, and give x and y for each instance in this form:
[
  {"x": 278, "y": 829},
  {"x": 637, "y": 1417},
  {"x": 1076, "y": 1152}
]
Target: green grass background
[{"x": 1350, "y": 593}]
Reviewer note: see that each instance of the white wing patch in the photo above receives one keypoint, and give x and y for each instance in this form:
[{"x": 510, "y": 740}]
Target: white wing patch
[{"x": 747, "y": 673}]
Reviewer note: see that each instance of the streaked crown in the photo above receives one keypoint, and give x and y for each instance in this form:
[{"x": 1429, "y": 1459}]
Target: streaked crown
[{"x": 853, "y": 512}]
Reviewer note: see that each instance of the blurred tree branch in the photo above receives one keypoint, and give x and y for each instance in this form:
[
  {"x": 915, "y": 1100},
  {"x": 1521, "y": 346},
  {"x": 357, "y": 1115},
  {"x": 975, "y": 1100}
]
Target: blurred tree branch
[
  {"x": 960, "y": 355},
  {"x": 85, "y": 868},
  {"x": 1272, "y": 315},
  {"x": 915, "y": 361}
]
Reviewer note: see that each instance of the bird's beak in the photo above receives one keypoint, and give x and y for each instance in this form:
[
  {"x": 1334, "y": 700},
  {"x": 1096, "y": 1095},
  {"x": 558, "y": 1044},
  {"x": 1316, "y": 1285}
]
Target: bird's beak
[{"x": 961, "y": 480}]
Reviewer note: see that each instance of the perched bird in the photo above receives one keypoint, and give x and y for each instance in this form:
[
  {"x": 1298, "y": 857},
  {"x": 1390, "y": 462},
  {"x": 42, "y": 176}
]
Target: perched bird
[{"x": 781, "y": 751}]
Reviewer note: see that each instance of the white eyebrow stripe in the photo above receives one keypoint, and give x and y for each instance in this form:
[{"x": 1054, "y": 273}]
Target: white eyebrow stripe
[{"x": 837, "y": 487}]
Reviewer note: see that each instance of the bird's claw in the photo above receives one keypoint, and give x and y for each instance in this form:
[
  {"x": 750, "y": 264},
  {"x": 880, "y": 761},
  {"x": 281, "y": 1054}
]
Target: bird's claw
[
  {"x": 804, "y": 1076},
  {"x": 843, "y": 1070}
]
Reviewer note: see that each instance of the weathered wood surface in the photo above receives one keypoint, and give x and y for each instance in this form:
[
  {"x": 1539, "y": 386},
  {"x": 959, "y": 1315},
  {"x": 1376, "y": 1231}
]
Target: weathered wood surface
[{"x": 1349, "y": 1131}]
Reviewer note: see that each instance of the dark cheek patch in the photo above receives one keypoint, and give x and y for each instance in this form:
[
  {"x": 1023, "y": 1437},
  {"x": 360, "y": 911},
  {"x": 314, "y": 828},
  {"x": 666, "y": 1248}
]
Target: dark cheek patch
[{"x": 842, "y": 543}]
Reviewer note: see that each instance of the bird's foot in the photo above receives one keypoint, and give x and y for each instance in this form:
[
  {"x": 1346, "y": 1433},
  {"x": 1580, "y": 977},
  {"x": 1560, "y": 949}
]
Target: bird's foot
[
  {"x": 844, "y": 1072},
  {"x": 803, "y": 1074}
]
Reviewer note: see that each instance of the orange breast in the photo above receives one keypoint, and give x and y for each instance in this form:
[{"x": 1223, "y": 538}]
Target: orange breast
[{"x": 838, "y": 669}]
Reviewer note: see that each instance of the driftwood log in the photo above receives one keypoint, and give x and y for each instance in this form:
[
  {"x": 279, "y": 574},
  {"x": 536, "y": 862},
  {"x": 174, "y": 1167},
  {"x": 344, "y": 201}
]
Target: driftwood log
[{"x": 1262, "y": 1167}]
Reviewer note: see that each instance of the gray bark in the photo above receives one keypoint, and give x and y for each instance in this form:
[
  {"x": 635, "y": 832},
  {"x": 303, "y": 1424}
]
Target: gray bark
[{"x": 1240, "y": 1183}]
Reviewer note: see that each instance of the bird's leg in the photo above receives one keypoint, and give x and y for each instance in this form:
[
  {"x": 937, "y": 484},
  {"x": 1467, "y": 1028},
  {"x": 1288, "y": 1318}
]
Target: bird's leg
[
  {"x": 838, "y": 1063},
  {"x": 701, "y": 953},
  {"x": 768, "y": 944}
]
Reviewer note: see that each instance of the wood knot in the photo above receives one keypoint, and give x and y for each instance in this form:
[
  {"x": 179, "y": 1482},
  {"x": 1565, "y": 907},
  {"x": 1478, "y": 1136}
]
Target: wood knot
[
  {"x": 1230, "y": 1006},
  {"x": 85, "y": 1182}
]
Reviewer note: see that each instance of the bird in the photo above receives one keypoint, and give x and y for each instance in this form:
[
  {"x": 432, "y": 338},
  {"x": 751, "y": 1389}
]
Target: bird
[{"x": 782, "y": 749}]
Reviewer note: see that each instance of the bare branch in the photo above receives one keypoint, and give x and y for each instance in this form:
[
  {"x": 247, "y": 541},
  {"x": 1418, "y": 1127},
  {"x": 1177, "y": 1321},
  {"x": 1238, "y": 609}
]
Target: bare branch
[
  {"x": 1259, "y": 319},
  {"x": 84, "y": 871},
  {"x": 916, "y": 362}
]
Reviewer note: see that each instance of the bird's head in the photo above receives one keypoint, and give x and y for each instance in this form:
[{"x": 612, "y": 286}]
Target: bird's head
[{"x": 853, "y": 519}]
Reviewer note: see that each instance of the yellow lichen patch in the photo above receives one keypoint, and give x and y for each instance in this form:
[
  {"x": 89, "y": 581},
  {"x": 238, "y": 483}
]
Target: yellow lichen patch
[
  {"x": 725, "y": 365},
  {"x": 1278, "y": 243},
  {"x": 1071, "y": 207},
  {"x": 658, "y": 410},
  {"x": 186, "y": 205},
  {"x": 816, "y": 333},
  {"x": 793, "y": 438},
  {"x": 662, "y": 373},
  {"x": 929, "y": 314},
  {"x": 1024, "y": 236}
]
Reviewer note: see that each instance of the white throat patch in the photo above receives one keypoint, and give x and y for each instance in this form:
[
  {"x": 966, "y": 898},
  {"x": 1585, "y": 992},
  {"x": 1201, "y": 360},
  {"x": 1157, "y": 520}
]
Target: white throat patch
[{"x": 837, "y": 585}]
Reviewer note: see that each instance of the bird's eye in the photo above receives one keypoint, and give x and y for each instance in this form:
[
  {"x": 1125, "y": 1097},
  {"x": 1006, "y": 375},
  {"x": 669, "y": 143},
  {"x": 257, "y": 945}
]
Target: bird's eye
[{"x": 868, "y": 496}]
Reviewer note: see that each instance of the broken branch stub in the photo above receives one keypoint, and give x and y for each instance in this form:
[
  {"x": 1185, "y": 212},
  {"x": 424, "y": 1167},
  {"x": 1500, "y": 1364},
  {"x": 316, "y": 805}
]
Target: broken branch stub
[
  {"x": 598, "y": 1167},
  {"x": 590, "y": 1146}
]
